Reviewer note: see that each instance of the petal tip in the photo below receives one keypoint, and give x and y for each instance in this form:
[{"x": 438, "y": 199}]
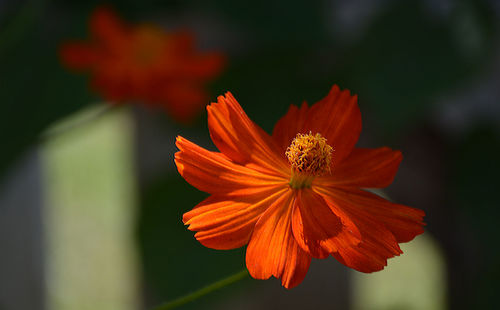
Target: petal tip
[{"x": 335, "y": 88}]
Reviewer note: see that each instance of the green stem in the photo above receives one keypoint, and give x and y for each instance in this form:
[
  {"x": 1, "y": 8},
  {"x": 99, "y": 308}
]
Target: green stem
[
  {"x": 203, "y": 291},
  {"x": 68, "y": 124}
]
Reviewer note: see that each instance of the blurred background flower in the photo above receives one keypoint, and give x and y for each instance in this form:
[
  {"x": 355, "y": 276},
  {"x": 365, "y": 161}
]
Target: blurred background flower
[
  {"x": 144, "y": 63},
  {"x": 90, "y": 210}
]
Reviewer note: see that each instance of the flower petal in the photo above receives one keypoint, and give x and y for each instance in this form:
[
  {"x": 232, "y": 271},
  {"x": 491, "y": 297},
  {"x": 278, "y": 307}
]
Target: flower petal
[
  {"x": 198, "y": 67},
  {"x": 366, "y": 168},
  {"x": 105, "y": 25},
  {"x": 317, "y": 229},
  {"x": 183, "y": 100},
  {"x": 371, "y": 254},
  {"x": 214, "y": 173},
  {"x": 404, "y": 222},
  {"x": 381, "y": 223},
  {"x": 241, "y": 140},
  {"x": 377, "y": 245},
  {"x": 225, "y": 222},
  {"x": 272, "y": 250},
  {"x": 78, "y": 55},
  {"x": 338, "y": 119},
  {"x": 287, "y": 128}
]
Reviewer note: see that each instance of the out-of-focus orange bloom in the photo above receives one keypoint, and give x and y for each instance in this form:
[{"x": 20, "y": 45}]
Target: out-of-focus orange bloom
[
  {"x": 296, "y": 194},
  {"x": 143, "y": 63}
]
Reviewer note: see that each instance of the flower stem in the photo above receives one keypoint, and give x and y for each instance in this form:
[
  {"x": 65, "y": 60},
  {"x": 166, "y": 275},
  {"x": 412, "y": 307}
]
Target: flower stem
[
  {"x": 72, "y": 122},
  {"x": 203, "y": 291}
]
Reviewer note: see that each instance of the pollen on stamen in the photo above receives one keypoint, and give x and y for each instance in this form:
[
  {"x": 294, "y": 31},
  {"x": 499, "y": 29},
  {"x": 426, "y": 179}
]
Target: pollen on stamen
[{"x": 310, "y": 154}]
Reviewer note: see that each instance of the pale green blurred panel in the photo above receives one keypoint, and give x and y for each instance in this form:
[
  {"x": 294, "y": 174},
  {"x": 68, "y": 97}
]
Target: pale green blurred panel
[
  {"x": 414, "y": 280},
  {"x": 89, "y": 215}
]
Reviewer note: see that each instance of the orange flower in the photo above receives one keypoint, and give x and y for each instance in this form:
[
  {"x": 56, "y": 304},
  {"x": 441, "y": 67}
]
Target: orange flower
[
  {"x": 296, "y": 194},
  {"x": 143, "y": 63}
]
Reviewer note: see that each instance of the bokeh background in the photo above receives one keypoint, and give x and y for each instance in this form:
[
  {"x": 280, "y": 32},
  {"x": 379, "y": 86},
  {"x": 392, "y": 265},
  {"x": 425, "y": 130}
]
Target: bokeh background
[{"x": 91, "y": 203}]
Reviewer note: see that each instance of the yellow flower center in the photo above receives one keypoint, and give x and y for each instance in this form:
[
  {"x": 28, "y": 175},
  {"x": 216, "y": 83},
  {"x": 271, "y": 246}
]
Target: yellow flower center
[{"x": 310, "y": 156}]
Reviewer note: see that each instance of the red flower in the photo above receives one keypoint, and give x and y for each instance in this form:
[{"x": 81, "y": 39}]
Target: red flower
[
  {"x": 143, "y": 63},
  {"x": 298, "y": 193}
]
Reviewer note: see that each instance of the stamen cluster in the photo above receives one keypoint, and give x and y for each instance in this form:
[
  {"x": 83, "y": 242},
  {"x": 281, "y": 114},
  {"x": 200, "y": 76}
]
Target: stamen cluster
[{"x": 309, "y": 155}]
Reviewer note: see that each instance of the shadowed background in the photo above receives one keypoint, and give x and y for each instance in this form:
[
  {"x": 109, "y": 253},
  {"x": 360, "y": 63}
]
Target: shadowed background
[{"x": 427, "y": 74}]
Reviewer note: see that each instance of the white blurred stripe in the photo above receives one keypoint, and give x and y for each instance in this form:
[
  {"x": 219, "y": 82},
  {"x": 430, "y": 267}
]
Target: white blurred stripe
[
  {"x": 89, "y": 214},
  {"x": 414, "y": 280}
]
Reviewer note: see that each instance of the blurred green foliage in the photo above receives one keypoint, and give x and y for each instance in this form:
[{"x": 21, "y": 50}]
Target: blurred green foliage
[
  {"x": 407, "y": 59},
  {"x": 35, "y": 90},
  {"x": 403, "y": 61},
  {"x": 475, "y": 171},
  {"x": 173, "y": 261}
]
